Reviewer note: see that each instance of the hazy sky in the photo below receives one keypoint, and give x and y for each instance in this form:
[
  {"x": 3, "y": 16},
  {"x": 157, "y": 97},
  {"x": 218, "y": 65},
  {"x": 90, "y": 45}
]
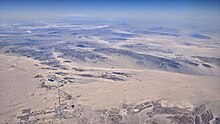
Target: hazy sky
[{"x": 206, "y": 10}]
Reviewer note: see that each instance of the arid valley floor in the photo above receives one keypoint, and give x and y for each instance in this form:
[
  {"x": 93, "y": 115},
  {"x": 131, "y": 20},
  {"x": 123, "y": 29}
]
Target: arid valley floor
[{"x": 77, "y": 71}]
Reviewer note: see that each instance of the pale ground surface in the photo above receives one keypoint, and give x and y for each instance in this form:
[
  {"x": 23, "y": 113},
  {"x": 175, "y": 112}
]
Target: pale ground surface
[
  {"x": 75, "y": 70},
  {"x": 18, "y": 88}
]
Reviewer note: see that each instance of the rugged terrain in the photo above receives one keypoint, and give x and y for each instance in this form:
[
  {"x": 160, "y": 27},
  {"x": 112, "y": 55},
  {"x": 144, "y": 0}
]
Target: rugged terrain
[{"x": 85, "y": 70}]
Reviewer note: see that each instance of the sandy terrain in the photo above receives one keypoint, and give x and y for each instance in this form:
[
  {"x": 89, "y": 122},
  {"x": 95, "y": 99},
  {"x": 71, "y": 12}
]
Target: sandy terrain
[{"x": 19, "y": 89}]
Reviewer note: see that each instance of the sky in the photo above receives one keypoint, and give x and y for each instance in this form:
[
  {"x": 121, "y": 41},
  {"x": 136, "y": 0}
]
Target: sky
[{"x": 179, "y": 10}]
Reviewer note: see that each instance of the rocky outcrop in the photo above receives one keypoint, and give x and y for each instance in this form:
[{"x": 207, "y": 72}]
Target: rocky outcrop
[
  {"x": 207, "y": 116},
  {"x": 202, "y": 115},
  {"x": 198, "y": 110},
  {"x": 149, "y": 112}
]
